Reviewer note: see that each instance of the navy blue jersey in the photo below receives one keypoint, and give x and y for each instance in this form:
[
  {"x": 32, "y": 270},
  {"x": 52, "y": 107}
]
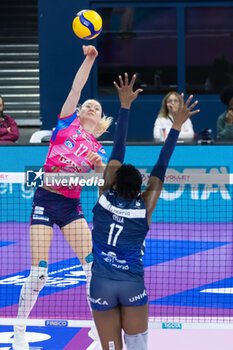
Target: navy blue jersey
[{"x": 119, "y": 230}]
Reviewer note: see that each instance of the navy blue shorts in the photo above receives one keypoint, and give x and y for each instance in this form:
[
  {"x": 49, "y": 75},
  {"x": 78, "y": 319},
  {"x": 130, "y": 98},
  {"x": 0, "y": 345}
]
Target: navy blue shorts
[
  {"x": 105, "y": 294},
  {"x": 52, "y": 208}
]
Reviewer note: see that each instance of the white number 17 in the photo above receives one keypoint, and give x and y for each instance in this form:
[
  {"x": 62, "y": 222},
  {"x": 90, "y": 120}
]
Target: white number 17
[
  {"x": 82, "y": 149},
  {"x": 111, "y": 240}
]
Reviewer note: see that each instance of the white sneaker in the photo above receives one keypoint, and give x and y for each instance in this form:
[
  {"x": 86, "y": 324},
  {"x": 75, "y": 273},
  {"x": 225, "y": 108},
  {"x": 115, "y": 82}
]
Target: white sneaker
[{"x": 19, "y": 342}]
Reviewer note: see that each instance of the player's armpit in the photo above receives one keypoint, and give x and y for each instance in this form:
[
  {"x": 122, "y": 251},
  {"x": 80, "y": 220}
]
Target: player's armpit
[
  {"x": 151, "y": 195},
  {"x": 109, "y": 175}
]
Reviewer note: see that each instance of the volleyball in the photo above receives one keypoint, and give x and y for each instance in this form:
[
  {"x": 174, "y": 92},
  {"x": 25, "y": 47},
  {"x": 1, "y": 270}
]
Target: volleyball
[{"x": 87, "y": 24}]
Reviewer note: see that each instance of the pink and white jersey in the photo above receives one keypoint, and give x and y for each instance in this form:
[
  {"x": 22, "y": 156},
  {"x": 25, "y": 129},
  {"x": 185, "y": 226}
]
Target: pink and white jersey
[{"x": 68, "y": 149}]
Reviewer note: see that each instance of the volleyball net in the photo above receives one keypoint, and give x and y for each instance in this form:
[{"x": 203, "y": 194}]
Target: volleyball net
[{"x": 188, "y": 259}]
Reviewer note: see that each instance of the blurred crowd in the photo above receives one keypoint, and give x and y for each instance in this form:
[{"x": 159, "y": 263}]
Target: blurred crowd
[{"x": 9, "y": 132}]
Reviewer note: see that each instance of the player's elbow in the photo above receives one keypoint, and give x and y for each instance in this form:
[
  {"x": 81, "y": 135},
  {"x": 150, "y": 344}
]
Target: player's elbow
[{"x": 75, "y": 91}]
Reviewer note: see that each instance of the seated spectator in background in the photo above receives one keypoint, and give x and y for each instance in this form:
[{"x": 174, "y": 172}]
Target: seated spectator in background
[
  {"x": 8, "y": 128},
  {"x": 225, "y": 120},
  {"x": 164, "y": 120},
  {"x": 220, "y": 75}
]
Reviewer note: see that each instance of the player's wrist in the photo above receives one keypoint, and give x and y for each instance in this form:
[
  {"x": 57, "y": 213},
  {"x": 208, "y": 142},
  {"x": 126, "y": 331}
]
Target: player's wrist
[
  {"x": 91, "y": 58},
  {"x": 177, "y": 126},
  {"x": 126, "y": 105}
]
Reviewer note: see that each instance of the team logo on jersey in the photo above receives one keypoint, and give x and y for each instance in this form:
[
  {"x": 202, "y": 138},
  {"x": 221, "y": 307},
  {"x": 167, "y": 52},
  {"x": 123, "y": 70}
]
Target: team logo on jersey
[
  {"x": 69, "y": 144},
  {"x": 112, "y": 259},
  {"x": 71, "y": 163},
  {"x": 79, "y": 131},
  {"x": 35, "y": 178},
  {"x": 120, "y": 205}
]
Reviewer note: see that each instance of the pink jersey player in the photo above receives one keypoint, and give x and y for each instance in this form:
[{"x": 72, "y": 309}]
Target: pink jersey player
[
  {"x": 69, "y": 147},
  {"x": 73, "y": 148}
]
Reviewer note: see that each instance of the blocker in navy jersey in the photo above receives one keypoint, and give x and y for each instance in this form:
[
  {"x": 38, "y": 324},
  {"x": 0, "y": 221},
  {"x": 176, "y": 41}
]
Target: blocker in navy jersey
[{"x": 119, "y": 230}]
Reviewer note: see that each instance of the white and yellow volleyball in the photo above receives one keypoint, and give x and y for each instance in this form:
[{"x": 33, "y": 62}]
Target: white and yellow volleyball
[{"x": 87, "y": 24}]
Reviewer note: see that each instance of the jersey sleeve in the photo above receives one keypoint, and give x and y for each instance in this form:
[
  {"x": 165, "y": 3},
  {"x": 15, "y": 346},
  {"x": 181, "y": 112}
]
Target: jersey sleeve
[{"x": 63, "y": 123}]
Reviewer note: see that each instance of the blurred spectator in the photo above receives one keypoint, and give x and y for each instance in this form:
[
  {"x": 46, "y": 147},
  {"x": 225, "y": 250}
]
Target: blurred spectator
[
  {"x": 8, "y": 128},
  {"x": 225, "y": 120},
  {"x": 220, "y": 75},
  {"x": 164, "y": 120}
]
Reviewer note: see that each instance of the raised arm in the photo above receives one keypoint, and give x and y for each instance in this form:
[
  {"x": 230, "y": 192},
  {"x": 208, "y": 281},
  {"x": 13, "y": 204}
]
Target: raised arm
[
  {"x": 155, "y": 182},
  {"x": 79, "y": 81},
  {"x": 126, "y": 96}
]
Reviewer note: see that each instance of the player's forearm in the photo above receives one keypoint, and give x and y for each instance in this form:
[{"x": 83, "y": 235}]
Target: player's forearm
[
  {"x": 78, "y": 84},
  {"x": 83, "y": 74},
  {"x": 160, "y": 167},
  {"x": 121, "y": 132}
]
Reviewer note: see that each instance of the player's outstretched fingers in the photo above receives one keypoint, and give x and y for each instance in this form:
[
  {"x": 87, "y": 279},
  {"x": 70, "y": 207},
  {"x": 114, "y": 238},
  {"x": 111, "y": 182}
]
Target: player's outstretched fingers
[
  {"x": 137, "y": 92},
  {"x": 132, "y": 81},
  {"x": 126, "y": 79},
  {"x": 189, "y": 99},
  {"x": 121, "y": 81},
  {"x": 193, "y": 105},
  {"x": 181, "y": 104},
  {"x": 194, "y": 112},
  {"x": 116, "y": 85}
]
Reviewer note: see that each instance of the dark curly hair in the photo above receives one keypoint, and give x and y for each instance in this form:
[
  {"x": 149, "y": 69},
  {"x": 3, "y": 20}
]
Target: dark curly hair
[{"x": 128, "y": 181}]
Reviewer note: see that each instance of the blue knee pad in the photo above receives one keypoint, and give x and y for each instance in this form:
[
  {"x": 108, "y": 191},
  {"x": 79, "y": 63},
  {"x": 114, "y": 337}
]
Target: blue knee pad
[{"x": 136, "y": 341}]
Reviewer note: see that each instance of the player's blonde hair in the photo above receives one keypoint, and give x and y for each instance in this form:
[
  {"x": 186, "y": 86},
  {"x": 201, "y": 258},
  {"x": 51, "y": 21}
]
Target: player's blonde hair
[
  {"x": 163, "y": 113},
  {"x": 102, "y": 126}
]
